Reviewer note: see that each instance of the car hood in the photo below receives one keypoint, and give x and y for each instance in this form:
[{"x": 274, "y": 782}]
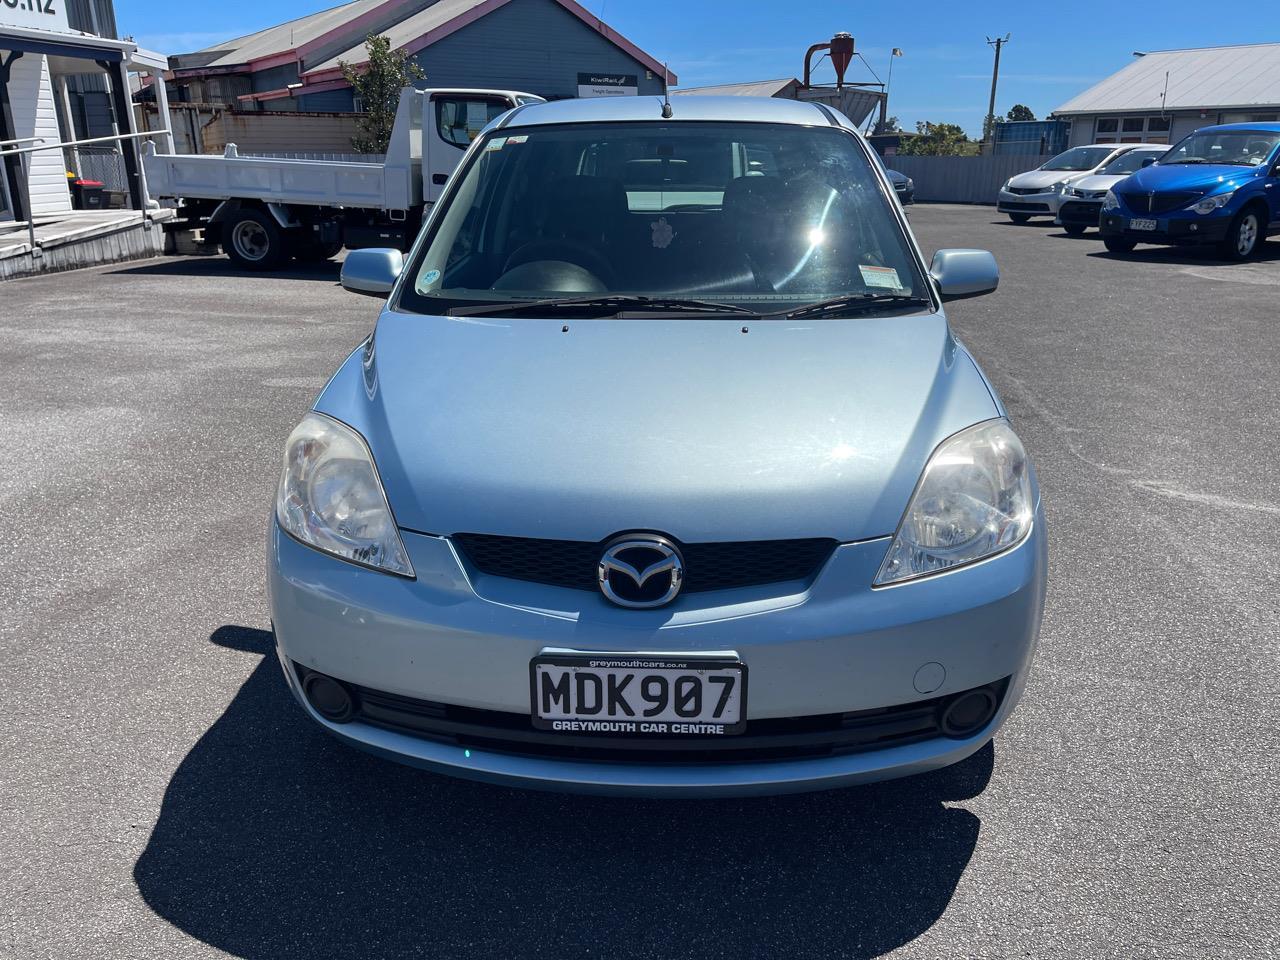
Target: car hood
[
  {"x": 1040, "y": 179},
  {"x": 1098, "y": 181},
  {"x": 1190, "y": 178},
  {"x": 688, "y": 427}
]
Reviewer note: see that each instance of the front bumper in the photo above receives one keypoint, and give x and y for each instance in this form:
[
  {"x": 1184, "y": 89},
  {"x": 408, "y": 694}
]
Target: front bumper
[
  {"x": 1082, "y": 212},
  {"x": 906, "y": 195},
  {"x": 1181, "y": 229},
  {"x": 1041, "y": 204},
  {"x": 458, "y": 637}
]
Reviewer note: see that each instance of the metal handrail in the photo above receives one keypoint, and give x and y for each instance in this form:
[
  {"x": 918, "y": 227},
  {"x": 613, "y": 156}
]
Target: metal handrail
[
  {"x": 10, "y": 143},
  {"x": 81, "y": 143},
  {"x": 23, "y": 151}
]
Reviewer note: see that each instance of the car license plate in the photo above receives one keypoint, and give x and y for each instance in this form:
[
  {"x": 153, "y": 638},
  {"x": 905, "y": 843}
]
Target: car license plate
[
  {"x": 638, "y": 695},
  {"x": 1143, "y": 224}
]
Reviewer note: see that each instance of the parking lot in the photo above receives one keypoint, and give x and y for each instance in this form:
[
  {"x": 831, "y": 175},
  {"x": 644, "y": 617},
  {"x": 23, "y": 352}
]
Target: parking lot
[{"x": 166, "y": 798}]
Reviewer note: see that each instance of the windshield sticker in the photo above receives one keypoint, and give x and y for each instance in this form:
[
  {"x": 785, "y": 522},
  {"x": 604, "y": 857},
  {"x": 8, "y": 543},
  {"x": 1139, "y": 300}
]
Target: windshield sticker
[
  {"x": 429, "y": 279},
  {"x": 885, "y": 277},
  {"x": 495, "y": 144},
  {"x": 517, "y": 139},
  {"x": 663, "y": 233}
]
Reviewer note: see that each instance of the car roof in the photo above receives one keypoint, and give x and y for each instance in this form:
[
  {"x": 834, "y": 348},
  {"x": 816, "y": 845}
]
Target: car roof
[
  {"x": 615, "y": 109},
  {"x": 1262, "y": 126}
]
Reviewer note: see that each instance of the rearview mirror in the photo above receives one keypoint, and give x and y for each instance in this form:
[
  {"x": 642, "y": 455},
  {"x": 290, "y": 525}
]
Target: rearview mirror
[
  {"x": 964, "y": 273},
  {"x": 372, "y": 271}
]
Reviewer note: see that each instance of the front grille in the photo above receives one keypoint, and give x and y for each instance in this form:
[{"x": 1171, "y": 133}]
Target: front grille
[
  {"x": 1158, "y": 203},
  {"x": 1079, "y": 212},
  {"x": 708, "y": 566},
  {"x": 822, "y": 735},
  {"x": 1023, "y": 207},
  {"x": 1027, "y": 191}
]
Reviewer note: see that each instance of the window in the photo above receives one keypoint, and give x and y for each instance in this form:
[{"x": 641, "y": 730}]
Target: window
[
  {"x": 1132, "y": 129},
  {"x": 460, "y": 119},
  {"x": 755, "y": 214}
]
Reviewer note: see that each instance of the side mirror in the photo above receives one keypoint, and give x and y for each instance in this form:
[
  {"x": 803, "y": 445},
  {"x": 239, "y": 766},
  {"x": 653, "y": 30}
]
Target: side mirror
[
  {"x": 372, "y": 272},
  {"x": 964, "y": 273}
]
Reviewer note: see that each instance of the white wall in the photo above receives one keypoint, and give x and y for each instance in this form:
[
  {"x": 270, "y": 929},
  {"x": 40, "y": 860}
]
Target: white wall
[{"x": 31, "y": 97}]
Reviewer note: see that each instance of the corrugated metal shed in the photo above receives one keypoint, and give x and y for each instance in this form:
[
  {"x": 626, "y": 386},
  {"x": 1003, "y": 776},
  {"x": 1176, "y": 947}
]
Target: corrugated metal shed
[
  {"x": 411, "y": 28},
  {"x": 1247, "y": 75},
  {"x": 286, "y": 36},
  {"x": 758, "y": 88}
]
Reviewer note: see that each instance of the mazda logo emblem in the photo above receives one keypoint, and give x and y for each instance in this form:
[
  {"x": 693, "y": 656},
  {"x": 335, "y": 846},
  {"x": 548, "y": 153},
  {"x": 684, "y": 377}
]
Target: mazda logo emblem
[{"x": 641, "y": 570}]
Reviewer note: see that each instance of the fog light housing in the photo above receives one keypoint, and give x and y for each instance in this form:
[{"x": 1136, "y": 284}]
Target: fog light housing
[
  {"x": 968, "y": 712},
  {"x": 329, "y": 697}
]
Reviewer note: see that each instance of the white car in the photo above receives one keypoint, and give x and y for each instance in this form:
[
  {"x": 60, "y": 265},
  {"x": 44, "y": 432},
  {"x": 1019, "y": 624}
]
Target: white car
[
  {"x": 1081, "y": 200},
  {"x": 1038, "y": 193}
]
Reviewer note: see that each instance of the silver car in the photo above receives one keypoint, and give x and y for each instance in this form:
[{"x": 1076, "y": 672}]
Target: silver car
[
  {"x": 1081, "y": 200},
  {"x": 662, "y": 472},
  {"x": 1038, "y": 192}
]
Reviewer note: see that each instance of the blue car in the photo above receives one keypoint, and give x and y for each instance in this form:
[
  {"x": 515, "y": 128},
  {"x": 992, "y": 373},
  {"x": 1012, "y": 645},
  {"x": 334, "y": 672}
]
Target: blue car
[
  {"x": 662, "y": 472},
  {"x": 1218, "y": 186}
]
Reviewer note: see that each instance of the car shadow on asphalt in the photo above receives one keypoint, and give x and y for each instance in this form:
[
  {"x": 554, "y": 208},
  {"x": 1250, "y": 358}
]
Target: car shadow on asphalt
[
  {"x": 1269, "y": 252},
  {"x": 215, "y": 267},
  {"x": 276, "y": 841}
]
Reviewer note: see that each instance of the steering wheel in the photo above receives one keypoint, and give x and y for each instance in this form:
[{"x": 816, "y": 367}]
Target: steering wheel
[{"x": 568, "y": 251}]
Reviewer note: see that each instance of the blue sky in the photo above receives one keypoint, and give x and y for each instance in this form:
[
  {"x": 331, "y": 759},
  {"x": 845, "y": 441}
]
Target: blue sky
[{"x": 944, "y": 76}]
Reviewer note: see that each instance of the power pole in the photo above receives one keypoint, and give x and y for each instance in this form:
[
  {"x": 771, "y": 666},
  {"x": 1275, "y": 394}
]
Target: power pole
[{"x": 988, "y": 125}]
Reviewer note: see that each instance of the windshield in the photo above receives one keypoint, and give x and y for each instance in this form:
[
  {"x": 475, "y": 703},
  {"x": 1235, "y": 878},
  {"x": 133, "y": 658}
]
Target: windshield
[
  {"x": 1131, "y": 162},
  {"x": 1079, "y": 158},
  {"x": 1246, "y": 148},
  {"x": 758, "y": 216}
]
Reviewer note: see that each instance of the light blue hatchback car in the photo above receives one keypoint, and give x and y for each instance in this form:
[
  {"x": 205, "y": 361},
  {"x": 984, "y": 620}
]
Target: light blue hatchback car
[{"x": 662, "y": 472}]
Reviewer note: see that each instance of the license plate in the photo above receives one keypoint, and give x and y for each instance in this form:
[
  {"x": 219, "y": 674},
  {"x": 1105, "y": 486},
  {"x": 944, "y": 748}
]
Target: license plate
[
  {"x": 638, "y": 695},
  {"x": 1143, "y": 224}
]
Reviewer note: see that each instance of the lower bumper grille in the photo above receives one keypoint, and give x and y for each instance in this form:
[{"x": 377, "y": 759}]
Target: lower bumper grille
[
  {"x": 823, "y": 735},
  {"x": 708, "y": 566},
  {"x": 1018, "y": 206},
  {"x": 1080, "y": 212}
]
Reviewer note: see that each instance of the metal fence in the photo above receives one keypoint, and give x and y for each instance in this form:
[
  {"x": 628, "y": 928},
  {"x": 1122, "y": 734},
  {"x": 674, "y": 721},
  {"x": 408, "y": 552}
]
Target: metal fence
[
  {"x": 961, "y": 179},
  {"x": 104, "y": 164}
]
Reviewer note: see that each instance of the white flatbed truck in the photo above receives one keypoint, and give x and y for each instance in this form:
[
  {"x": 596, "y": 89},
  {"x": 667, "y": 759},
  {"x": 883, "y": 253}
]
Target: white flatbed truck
[{"x": 264, "y": 211}]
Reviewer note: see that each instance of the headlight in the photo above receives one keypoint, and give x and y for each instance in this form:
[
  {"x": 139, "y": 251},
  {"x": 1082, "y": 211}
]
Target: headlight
[
  {"x": 330, "y": 497},
  {"x": 973, "y": 501},
  {"x": 1068, "y": 190},
  {"x": 1006, "y": 184},
  {"x": 1210, "y": 204},
  {"x": 911, "y": 184},
  {"x": 1110, "y": 201}
]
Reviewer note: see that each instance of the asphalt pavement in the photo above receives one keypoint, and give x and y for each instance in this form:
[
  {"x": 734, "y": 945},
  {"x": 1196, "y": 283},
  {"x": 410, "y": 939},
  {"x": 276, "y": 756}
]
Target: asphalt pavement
[{"x": 164, "y": 797}]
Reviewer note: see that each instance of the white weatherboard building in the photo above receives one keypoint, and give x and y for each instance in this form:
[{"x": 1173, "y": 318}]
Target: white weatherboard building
[
  {"x": 1162, "y": 96},
  {"x": 63, "y": 77}
]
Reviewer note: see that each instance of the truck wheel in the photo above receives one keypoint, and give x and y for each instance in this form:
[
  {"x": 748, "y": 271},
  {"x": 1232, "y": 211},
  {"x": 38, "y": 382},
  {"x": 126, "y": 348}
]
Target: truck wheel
[
  {"x": 252, "y": 239},
  {"x": 314, "y": 252},
  {"x": 1019, "y": 217},
  {"x": 1074, "y": 229},
  {"x": 1243, "y": 236},
  {"x": 1119, "y": 244}
]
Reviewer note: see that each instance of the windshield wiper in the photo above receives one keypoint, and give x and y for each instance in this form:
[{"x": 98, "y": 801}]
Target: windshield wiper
[
  {"x": 618, "y": 302},
  {"x": 1189, "y": 160},
  {"x": 852, "y": 303}
]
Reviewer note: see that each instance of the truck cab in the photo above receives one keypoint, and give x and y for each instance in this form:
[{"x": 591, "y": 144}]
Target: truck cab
[{"x": 1218, "y": 186}]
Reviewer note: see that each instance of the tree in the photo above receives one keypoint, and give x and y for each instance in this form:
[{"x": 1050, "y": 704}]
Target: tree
[
  {"x": 378, "y": 86},
  {"x": 935, "y": 140},
  {"x": 1020, "y": 112},
  {"x": 888, "y": 125}
]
